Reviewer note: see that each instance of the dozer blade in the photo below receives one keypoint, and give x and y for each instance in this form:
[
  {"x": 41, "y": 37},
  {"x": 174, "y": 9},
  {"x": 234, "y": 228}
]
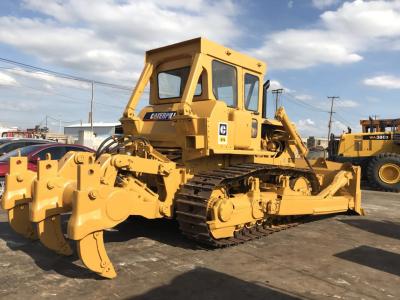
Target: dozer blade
[
  {"x": 93, "y": 254},
  {"x": 18, "y": 217},
  {"x": 340, "y": 188},
  {"x": 17, "y": 196},
  {"x": 51, "y": 235}
]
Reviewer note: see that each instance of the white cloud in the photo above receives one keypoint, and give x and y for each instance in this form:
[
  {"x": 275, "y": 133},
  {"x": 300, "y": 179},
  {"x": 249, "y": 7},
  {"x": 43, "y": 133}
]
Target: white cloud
[
  {"x": 49, "y": 79},
  {"x": 322, "y": 4},
  {"x": 341, "y": 36},
  {"x": 346, "y": 103},
  {"x": 7, "y": 80},
  {"x": 338, "y": 127},
  {"x": 107, "y": 39},
  {"x": 290, "y": 4},
  {"x": 307, "y": 127},
  {"x": 383, "y": 81},
  {"x": 365, "y": 19},
  {"x": 306, "y": 122},
  {"x": 303, "y": 97},
  {"x": 274, "y": 85},
  {"x": 17, "y": 106}
]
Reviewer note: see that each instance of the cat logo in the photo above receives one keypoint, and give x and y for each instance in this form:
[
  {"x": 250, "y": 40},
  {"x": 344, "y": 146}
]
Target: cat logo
[{"x": 222, "y": 133}]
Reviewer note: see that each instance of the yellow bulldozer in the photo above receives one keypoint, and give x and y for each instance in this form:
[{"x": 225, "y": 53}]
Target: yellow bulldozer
[
  {"x": 202, "y": 151},
  {"x": 376, "y": 149}
]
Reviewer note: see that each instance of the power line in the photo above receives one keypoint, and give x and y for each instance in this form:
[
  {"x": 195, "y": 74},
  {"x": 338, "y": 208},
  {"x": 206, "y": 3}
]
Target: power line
[
  {"x": 65, "y": 75},
  {"x": 343, "y": 119},
  {"x": 69, "y": 77},
  {"x": 305, "y": 104},
  {"x": 71, "y": 99}
]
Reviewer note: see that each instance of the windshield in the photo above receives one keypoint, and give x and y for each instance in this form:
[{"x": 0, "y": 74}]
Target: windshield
[
  {"x": 171, "y": 83},
  {"x": 24, "y": 152}
]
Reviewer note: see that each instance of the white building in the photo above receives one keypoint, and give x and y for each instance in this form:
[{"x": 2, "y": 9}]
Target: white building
[
  {"x": 7, "y": 129},
  {"x": 82, "y": 133},
  {"x": 317, "y": 142}
]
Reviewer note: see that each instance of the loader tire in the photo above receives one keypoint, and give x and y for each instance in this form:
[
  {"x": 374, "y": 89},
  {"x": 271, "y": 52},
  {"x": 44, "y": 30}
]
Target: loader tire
[{"x": 383, "y": 172}]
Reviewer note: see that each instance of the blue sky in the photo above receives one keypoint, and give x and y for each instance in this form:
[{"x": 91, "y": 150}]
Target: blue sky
[{"x": 313, "y": 48}]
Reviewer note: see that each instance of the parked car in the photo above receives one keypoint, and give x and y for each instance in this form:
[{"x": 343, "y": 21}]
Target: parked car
[
  {"x": 8, "y": 145},
  {"x": 35, "y": 153}
]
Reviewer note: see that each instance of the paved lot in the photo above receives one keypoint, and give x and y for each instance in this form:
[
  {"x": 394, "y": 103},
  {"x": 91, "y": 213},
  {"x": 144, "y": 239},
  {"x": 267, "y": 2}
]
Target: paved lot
[{"x": 340, "y": 257}]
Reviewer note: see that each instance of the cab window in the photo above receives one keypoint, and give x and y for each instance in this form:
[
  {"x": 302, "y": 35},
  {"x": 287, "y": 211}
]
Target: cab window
[
  {"x": 251, "y": 85},
  {"x": 224, "y": 83},
  {"x": 171, "y": 83}
]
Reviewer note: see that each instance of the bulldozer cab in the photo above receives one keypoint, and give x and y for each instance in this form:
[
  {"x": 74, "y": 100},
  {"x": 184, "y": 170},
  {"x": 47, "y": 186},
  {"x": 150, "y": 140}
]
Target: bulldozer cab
[{"x": 203, "y": 97}]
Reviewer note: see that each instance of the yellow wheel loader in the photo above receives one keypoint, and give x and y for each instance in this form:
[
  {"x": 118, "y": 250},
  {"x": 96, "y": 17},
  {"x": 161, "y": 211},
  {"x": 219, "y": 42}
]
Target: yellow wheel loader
[
  {"x": 376, "y": 149},
  {"x": 202, "y": 152}
]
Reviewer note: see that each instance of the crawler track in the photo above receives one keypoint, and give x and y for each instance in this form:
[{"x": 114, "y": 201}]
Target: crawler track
[{"x": 192, "y": 203}]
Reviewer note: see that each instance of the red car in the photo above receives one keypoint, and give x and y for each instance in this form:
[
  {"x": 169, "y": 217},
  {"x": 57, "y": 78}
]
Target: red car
[{"x": 35, "y": 153}]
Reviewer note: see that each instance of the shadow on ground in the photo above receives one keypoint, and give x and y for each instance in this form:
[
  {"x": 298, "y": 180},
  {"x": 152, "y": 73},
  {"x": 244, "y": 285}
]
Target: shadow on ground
[
  {"x": 202, "y": 283},
  {"x": 384, "y": 228},
  {"x": 372, "y": 257},
  {"x": 45, "y": 259},
  {"x": 162, "y": 230}
]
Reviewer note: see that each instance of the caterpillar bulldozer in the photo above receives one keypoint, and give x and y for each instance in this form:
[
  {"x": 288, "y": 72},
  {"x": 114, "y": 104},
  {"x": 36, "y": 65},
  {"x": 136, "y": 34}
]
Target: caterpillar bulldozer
[
  {"x": 202, "y": 151},
  {"x": 376, "y": 149}
]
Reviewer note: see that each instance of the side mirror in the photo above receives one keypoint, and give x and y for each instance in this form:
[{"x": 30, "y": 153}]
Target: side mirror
[{"x": 264, "y": 100}]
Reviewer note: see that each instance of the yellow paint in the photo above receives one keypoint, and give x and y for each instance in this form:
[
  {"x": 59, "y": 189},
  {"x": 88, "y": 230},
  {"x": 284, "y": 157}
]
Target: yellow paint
[{"x": 157, "y": 157}]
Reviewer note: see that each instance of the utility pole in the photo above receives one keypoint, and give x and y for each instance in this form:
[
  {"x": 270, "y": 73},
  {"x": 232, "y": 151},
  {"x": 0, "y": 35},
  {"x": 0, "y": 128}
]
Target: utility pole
[
  {"x": 277, "y": 93},
  {"x": 91, "y": 108},
  {"x": 332, "y": 98}
]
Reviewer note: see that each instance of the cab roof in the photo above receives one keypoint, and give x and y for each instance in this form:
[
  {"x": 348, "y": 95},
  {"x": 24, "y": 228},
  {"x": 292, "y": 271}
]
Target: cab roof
[{"x": 201, "y": 45}]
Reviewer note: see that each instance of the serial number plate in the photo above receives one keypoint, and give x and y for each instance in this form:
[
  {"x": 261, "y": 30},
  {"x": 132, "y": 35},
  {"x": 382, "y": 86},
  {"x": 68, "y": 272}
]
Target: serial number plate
[
  {"x": 377, "y": 137},
  {"x": 159, "y": 116}
]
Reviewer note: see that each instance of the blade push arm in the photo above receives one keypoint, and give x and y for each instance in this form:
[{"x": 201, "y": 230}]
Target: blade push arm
[
  {"x": 138, "y": 91},
  {"x": 287, "y": 124}
]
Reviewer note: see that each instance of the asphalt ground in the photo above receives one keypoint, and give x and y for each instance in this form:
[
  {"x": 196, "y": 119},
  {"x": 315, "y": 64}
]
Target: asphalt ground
[{"x": 339, "y": 257}]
